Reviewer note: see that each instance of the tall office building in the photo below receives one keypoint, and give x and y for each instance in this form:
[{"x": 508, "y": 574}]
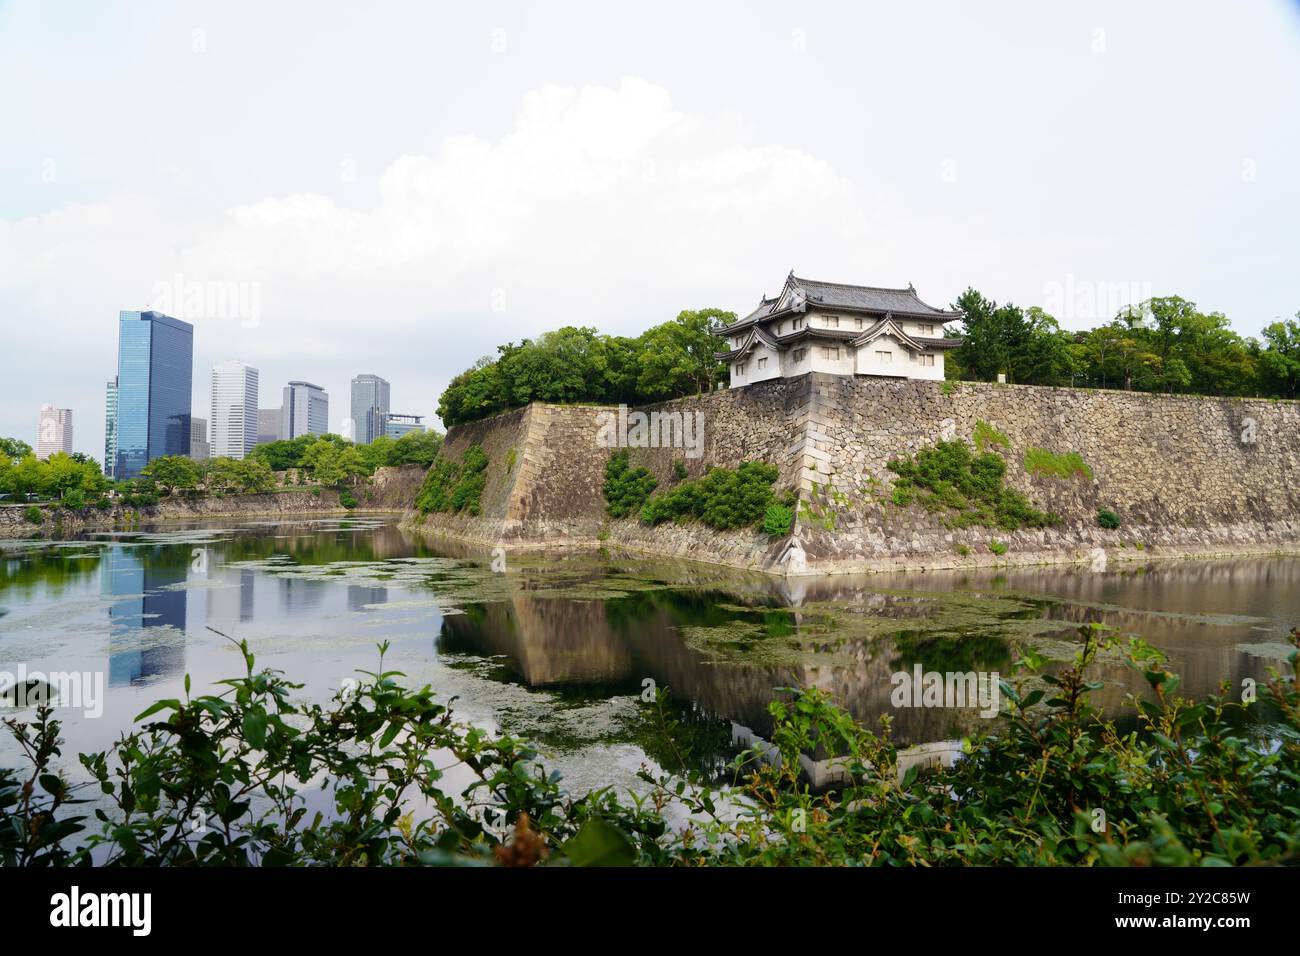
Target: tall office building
[
  {"x": 268, "y": 425},
  {"x": 155, "y": 371},
  {"x": 234, "y": 409},
  {"x": 398, "y": 425},
  {"x": 200, "y": 447},
  {"x": 369, "y": 408},
  {"x": 53, "y": 432},
  {"x": 306, "y": 410},
  {"x": 110, "y": 429}
]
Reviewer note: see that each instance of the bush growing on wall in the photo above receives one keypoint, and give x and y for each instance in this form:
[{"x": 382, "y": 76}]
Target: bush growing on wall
[
  {"x": 1040, "y": 461},
  {"x": 724, "y": 498},
  {"x": 455, "y": 486},
  {"x": 967, "y": 488},
  {"x": 1108, "y": 519},
  {"x": 626, "y": 489},
  {"x": 777, "y": 520}
]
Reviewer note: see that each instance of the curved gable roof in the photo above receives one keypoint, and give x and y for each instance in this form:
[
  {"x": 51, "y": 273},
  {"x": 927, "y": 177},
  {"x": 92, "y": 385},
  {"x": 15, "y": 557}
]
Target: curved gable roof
[
  {"x": 798, "y": 295},
  {"x": 887, "y": 326}
]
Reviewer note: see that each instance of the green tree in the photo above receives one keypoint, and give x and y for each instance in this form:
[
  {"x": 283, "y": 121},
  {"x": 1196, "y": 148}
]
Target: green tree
[
  {"x": 995, "y": 335},
  {"x": 174, "y": 473},
  {"x": 333, "y": 463},
  {"x": 14, "y": 449},
  {"x": 1279, "y": 363},
  {"x": 255, "y": 477},
  {"x": 678, "y": 357},
  {"x": 26, "y": 477},
  {"x": 417, "y": 448}
]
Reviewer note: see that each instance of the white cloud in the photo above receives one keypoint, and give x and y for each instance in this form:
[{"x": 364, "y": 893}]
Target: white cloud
[{"x": 602, "y": 206}]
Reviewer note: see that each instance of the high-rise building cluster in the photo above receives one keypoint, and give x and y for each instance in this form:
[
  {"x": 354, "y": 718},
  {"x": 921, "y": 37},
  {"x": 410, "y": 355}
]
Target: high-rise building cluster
[{"x": 148, "y": 412}]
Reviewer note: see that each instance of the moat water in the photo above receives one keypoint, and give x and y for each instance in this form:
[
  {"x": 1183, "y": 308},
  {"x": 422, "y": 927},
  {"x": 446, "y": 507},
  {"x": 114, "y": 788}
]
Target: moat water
[{"x": 561, "y": 647}]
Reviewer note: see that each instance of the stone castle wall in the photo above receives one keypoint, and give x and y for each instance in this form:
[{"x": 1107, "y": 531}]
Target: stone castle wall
[{"x": 1186, "y": 474}]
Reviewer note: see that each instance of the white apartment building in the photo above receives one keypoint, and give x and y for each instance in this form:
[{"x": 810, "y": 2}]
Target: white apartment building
[
  {"x": 234, "y": 410},
  {"x": 54, "y": 432}
]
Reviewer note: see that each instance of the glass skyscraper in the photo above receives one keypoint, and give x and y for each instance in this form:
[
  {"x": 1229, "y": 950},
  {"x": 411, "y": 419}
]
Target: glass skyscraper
[
  {"x": 155, "y": 369},
  {"x": 369, "y": 408}
]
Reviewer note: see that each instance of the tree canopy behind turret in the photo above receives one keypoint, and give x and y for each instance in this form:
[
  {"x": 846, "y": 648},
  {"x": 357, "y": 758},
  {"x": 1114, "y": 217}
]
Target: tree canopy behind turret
[{"x": 574, "y": 365}]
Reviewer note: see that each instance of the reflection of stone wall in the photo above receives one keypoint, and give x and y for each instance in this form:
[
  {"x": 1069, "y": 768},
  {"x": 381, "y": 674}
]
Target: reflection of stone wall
[
  {"x": 1176, "y": 468},
  {"x": 549, "y": 641}
]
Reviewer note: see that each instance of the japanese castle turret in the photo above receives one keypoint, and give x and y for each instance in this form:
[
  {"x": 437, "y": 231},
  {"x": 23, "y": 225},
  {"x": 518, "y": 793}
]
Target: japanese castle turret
[{"x": 839, "y": 329}]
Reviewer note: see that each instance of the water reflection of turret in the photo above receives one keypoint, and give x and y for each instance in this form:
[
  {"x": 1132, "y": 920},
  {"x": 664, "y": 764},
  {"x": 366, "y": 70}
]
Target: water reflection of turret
[
  {"x": 138, "y": 579},
  {"x": 620, "y": 643}
]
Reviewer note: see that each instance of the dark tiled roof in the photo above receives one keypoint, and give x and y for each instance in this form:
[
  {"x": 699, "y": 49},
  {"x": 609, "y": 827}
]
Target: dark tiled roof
[
  {"x": 799, "y": 295},
  {"x": 862, "y": 298},
  {"x": 939, "y": 343}
]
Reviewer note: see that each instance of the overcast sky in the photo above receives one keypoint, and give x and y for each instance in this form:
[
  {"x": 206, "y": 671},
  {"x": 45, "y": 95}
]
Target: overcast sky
[{"x": 398, "y": 187}]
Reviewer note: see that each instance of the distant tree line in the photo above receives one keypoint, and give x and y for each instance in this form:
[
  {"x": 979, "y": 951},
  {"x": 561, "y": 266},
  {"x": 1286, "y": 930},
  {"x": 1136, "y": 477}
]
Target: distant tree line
[
  {"x": 76, "y": 481},
  {"x": 310, "y": 451},
  {"x": 575, "y": 365},
  {"x": 1165, "y": 344},
  {"x": 71, "y": 479}
]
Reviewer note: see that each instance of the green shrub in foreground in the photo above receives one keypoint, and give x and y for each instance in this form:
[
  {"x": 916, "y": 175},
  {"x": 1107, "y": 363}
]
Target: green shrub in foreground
[
  {"x": 1195, "y": 783},
  {"x": 33, "y": 514},
  {"x": 1108, "y": 519}
]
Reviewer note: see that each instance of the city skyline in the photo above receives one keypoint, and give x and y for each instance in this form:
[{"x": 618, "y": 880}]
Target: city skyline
[{"x": 104, "y": 452}]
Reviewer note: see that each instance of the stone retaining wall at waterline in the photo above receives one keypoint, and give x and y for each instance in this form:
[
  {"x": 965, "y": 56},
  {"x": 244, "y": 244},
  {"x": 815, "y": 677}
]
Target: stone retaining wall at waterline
[{"x": 1188, "y": 475}]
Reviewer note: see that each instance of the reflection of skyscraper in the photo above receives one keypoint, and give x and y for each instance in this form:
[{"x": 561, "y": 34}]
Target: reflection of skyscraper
[
  {"x": 298, "y": 595},
  {"x": 233, "y": 601},
  {"x": 155, "y": 366},
  {"x": 135, "y": 576},
  {"x": 359, "y": 596}
]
